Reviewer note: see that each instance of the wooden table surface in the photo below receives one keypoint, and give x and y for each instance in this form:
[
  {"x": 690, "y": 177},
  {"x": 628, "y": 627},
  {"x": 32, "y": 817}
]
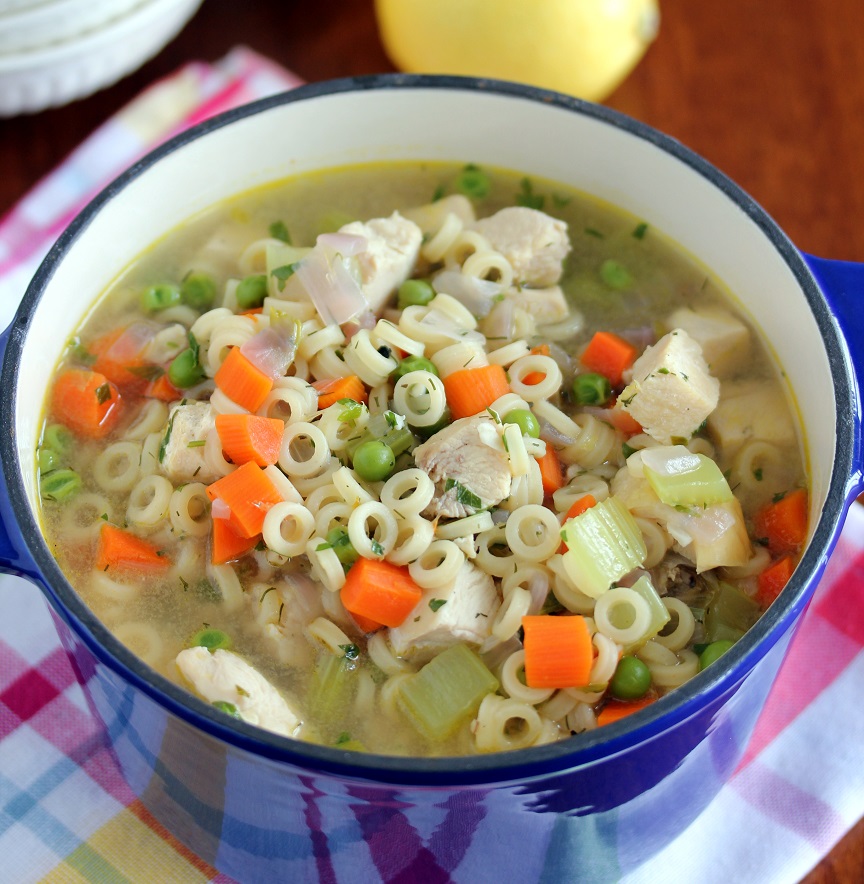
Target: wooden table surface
[{"x": 771, "y": 92}]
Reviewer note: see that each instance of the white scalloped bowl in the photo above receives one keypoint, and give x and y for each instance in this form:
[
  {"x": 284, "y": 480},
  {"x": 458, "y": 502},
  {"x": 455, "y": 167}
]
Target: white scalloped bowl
[
  {"x": 44, "y": 22},
  {"x": 49, "y": 76}
]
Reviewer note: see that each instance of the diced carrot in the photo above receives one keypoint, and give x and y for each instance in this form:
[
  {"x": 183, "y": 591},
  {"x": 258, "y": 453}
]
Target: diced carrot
[
  {"x": 246, "y": 437},
  {"x": 120, "y": 550},
  {"x": 576, "y": 509},
  {"x": 242, "y": 382},
  {"x": 551, "y": 470},
  {"x": 609, "y": 355},
  {"x": 535, "y": 377},
  {"x": 249, "y": 494},
  {"x": 472, "y": 390},
  {"x": 86, "y": 401},
  {"x": 622, "y": 420},
  {"x": 365, "y": 624},
  {"x": 784, "y": 522},
  {"x": 226, "y": 544},
  {"x": 163, "y": 389},
  {"x": 380, "y": 591},
  {"x": 252, "y": 311},
  {"x": 120, "y": 356},
  {"x": 334, "y": 389},
  {"x": 615, "y": 710},
  {"x": 559, "y": 652},
  {"x": 772, "y": 580}
]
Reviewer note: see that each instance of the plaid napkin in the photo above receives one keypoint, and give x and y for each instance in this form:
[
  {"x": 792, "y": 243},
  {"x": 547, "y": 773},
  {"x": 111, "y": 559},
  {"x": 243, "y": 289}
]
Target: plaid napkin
[{"x": 66, "y": 814}]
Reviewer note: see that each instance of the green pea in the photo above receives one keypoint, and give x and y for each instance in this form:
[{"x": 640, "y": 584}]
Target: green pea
[
  {"x": 198, "y": 290},
  {"x": 160, "y": 297},
  {"x": 251, "y": 291},
  {"x": 227, "y": 708},
  {"x": 212, "y": 639},
  {"x": 591, "y": 388},
  {"x": 615, "y": 275},
  {"x": 58, "y": 438},
  {"x": 714, "y": 651},
  {"x": 60, "y": 485},
  {"x": 341, "y": 544},
  {"x": 374, "y": 460},
  {"x": 413, "y": 363},
  {"x": 48, "y": 460},
  {"x": 415, "y": 292},
  {"x": 526, "y": 422},
  {"x": 184, "y": 370},
  {"x": 631, "y": 680},
  {"x": 473, "y": 182}
]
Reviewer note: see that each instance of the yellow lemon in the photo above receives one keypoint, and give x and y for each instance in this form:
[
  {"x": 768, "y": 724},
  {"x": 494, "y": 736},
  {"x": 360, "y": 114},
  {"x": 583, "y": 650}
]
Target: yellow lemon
[{"x": 583, "y": 47}]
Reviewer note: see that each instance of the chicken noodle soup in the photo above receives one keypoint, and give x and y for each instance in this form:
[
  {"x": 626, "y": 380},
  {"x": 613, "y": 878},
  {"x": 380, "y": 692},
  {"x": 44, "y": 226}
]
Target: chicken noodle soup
[{"x": 422, "y": 460}]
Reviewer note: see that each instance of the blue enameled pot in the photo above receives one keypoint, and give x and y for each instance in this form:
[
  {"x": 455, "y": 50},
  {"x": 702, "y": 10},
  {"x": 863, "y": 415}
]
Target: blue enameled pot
[{"x": 263, "y": 808}]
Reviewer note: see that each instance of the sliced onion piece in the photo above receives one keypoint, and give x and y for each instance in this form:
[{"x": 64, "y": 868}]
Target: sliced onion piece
[
  {"x": 345, "y": 244},
  {"x": 219, "y": 509},
  {"x": 331, "y": 287},
  {"x": 270, "y": 352}
]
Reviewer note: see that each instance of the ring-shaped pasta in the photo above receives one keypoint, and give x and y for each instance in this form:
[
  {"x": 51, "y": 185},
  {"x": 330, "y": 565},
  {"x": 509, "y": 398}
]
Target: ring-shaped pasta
[
  {"x": 536, "y": 579},
  {"x": 565, "y": 591},
  {"x": 672, "y": 676},
  {"x": 581, "y": 718},
  {"x": 166, "y": 344},
  {"x": 757, "y": 563},
  {"x": 546, "y": 411},
  {"x": 330, "y": 635},
  {"x": 221, "y": 403},
  {"x": 379, "y": 398},
  {"x": 112, "y": 589},
  {"x": 489, "y": 264},
  {"x": 408, "y": 492},
  {"x": 302, "y": 311},
  {"x": 685, "y": 625},
  {"x": 383, "y": 657},
  {"x": 508, "y": 617},
  {"x": 228, "y": 583},
  {"x": 233, "y": 331},
  {"x": 757, "y": 464},
  {"x": 151, "y": 419},
  {"x": 181, "y": 314},
  {"x": 326, "y": 567},
  {"x": 434, "y": 249},
  {"x": 142, "y": 639},
  {"x": 513, "y": 666},
  {"x": 622, "y": 615},
  {"x": 253, "y": 259},
  {"x": 456, "y": 357},
  {"x": 505, "y": 723},
  {"x": 532, "y": 532},
  {"x": 466, "y": 244},
  {"x": 653, "y": 652},
  {"x": 149, "y": 501},
  {"x": 454, "y": 310},
  {"x": 419, "y": 397},
  {"x": 351, "y": 488},
  {"x": 369, "y": 542},
  {"x": 283, "y": 484},
  {"x": 189, "y": 510},
  {"x": 413, "y": 537},
  {"x": 508, "y": 354},
  {"x": 366, "y": 361},
  {"x": 287, "y": 528},
  {"x": 118, "y": 466},
  {"x": 206, "y": 323},
  {"x": 387, "y": 333},
  {"x": 577, "y": 488},
  {"x": 388, "y": 695},
  {"x": 438, "y": 565},
  {"x": 605, "y": 661},
  {"x": 466, "y": 527},
  {"x": 597, "y": 442},
  {"x": 305, "y": 486},
  {"x": 517, "y": 452},
  {"x": 327, "y": 364},
  {"x": 557, "y": 707},
  {"x": 214, "y": 457},
  {"x": 316, "y": 337},
  {"x": 332, "y": 515},
  {"x": 290, "y": 403},
  {"x": 304, "y": 450},
  {"x": 487, "y": 560},
  {"x": 321, "y": 496}
]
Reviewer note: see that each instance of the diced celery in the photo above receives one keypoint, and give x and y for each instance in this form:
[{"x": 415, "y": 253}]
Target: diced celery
[
  {"x": 681, "y": 478},
  {"x": 603, "y": 544},
  {"x": 446, "y": 691},
  {"x": 729, "y": 614},
  {"x": 331, "y": 686},
  {"x": 659, "y": 614}
]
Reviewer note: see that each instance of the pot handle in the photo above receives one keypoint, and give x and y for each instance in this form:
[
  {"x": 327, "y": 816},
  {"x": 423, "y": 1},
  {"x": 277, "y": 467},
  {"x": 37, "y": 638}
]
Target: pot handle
[{"x": 14, "y": 556}]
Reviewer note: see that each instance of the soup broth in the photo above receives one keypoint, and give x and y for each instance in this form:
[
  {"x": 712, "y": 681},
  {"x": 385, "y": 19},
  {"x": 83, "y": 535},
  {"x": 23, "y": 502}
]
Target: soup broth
[{"x": 422, "y": 459}]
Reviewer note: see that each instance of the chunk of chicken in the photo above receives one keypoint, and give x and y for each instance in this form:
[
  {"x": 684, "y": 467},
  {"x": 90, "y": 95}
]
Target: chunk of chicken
[
  {"x": 461, "y": 612},
  {"x": 545, "y": 305},
  {"x": 387, "y": 261},
  {"x": 533, "y": 242},
  {"x": 469, "y": 475},
  {"x": 672, "y": 391},
  {"x": 724, "y": 339},
  {"x": 751, "y": 410},
  {"x": 224, "y": 676},
  {"x": 182, "y": 458}
]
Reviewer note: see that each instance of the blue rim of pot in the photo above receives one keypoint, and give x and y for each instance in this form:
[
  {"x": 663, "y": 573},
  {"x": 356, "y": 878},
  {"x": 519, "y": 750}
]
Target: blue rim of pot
[{"x": 670, "y": 711}]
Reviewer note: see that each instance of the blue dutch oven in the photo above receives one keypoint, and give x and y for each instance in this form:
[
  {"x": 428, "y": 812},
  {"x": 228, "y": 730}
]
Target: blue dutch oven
[{"x": 260, "y": 807}]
